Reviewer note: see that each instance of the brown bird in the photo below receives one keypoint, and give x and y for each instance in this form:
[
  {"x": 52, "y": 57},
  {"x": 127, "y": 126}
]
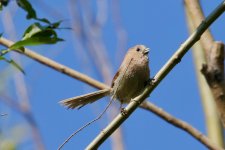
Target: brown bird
[{"x": 128, "y": 82}]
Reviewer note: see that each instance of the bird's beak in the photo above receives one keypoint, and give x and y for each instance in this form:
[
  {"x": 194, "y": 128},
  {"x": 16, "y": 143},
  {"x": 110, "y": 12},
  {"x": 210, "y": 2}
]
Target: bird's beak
[{"x": 146, "y": 51}]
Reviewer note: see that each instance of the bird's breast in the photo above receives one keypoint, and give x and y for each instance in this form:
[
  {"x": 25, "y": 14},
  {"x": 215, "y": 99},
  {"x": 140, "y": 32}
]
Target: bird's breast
[{"x": 131, "y": 82}]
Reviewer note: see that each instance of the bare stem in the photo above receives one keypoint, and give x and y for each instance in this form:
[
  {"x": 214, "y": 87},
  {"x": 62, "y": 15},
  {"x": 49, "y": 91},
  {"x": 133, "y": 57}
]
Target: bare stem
[
  {"x": 86, "y": 125},
  {"x": 171, "y": 63},
  {"x": 147, "y": 106},
  {"x": 56, "y": 66},
  {"x": 180, "y": 124}
]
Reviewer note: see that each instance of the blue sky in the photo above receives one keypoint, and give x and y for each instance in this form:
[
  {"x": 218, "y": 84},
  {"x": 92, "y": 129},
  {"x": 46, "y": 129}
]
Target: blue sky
[{"x": 160, "y": 25}]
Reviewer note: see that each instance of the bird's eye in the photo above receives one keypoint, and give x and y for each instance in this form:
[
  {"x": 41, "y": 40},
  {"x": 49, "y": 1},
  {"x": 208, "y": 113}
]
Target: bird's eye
[{"x": 138, "y": 49}]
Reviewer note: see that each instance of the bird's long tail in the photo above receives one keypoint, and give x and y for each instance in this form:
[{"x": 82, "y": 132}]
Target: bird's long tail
[{"x": 80, "y": 101}]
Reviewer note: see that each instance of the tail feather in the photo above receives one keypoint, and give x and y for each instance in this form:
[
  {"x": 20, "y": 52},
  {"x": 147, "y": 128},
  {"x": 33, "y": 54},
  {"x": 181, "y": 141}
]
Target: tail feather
[{"x": 80, "y": 101}]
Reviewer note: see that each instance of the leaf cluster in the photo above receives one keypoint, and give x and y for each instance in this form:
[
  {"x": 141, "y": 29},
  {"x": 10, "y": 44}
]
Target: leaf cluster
[{"x": 40, "y": 32}]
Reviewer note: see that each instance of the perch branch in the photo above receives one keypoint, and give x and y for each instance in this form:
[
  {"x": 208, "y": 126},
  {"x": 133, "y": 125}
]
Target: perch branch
[
  {"x": 147, "y": 106},
  {"x": 197, "y": 16},
  {"x": 91, "y": 43},
  {"x": 176, "y": 58}
]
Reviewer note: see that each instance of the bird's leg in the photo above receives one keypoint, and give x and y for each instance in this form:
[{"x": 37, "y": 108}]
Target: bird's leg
[{"x": 149, "y": 81}]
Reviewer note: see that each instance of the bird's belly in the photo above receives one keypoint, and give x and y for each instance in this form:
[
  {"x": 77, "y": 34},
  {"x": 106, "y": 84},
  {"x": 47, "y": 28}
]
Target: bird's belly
[{"x": 129, "y": 88}]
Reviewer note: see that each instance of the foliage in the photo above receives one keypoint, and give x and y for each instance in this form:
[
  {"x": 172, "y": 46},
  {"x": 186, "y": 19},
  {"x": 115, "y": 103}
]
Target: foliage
[
  {"x": 40, "y": 32},
  {"x": 37, "y": 34},
  {"x": 13, "y": 63}
]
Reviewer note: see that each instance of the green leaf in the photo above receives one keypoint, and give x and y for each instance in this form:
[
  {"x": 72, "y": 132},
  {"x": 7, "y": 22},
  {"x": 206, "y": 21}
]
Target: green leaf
[
  {"x": 1, "y": 35},
  {"x": 17, "y": 66},
  {"x": 35, "y": 41},
  {"x": 32, "y": 30},
  {"x": 4, "y": 51},
  {"x": 43, "y": 20},
  {"x": 2, "y": 58},
  {"x": 13, "y": 63},
  {"x": 25, "y": 5},
  {"x": 31, "y": 13},
  {"x": 37, "y": 34},
  {"x": 37, "y": 28},
  {"x": 55, "y": 25}
]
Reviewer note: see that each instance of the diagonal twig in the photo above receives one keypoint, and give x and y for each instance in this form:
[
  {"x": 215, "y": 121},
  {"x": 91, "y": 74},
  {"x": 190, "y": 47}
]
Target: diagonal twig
[
  {"x": 74, "y": 74},
  {"x": 171, "y": 63},
  {"x": 180, "y": 124},
  {"x": 56, "y": 66}
]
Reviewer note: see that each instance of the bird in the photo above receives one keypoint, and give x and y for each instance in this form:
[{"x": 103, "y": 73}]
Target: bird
[{"x": 128, "y": 82}]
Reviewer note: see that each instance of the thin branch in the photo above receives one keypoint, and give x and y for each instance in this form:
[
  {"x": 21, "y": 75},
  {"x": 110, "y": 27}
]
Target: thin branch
[
  {"x": 171, "y": 63},
  {"x": 93, "y": 40},
  {"x": 87, "y": 124},
  {"x": 50, "y": 63},
  {"x": 194, "y": 17},
  {"x": 56, "y": 66},
  {"x": 146, "y": 106},
  {"x": 179, "y": 124},
  {"x": 90, "y": 38},
  {"x": 197, "y": 16}
]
